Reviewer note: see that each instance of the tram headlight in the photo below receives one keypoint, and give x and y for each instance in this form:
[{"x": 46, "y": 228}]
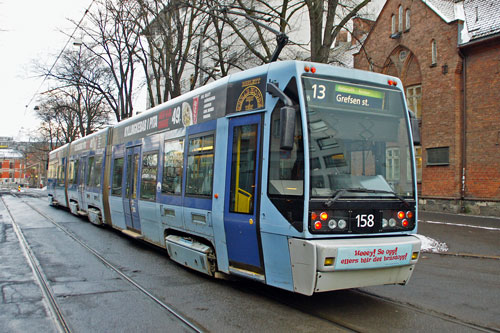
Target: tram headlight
[
  {"x": 342, "y": 224},
  {"x": 392, "y": 222},
  {"x": 332, "y": 224},
  {"x": 385, "y": 223}
]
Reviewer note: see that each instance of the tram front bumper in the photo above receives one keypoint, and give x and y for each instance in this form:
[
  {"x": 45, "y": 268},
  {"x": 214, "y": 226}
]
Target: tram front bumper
[{"x": 332, "y": 264}]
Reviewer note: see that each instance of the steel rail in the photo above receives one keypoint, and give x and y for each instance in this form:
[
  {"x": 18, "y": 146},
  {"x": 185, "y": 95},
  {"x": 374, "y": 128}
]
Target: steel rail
[
  {"x": 433, "y": 313},
  {"x": 39, "y": 276},
  {"x": 168, "y": 308}
]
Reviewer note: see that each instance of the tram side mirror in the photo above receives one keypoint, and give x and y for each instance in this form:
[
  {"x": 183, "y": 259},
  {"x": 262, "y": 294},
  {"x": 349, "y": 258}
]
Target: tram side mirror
[
  {"x": 415, "y": 129},
  {"x": 287, "y": 127},
  {"x": 287, "y": 116}
]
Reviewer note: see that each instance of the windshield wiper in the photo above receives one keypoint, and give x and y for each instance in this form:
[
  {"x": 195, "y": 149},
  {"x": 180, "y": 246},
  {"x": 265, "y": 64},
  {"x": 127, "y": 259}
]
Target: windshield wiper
[{"x": 341, "y": 192}]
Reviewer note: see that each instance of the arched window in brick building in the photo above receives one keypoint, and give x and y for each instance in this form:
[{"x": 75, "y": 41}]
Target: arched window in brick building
[{"x": 393, "y": 24}]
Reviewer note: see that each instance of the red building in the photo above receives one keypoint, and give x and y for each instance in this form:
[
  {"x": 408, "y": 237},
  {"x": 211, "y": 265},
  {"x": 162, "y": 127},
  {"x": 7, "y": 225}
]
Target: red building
[
  {"x": 12, "y": 167},
  {"x": 447, "y": 54}
]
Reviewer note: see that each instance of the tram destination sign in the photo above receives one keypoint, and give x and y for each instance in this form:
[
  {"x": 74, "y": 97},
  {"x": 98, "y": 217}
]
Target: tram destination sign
[{"x": 329, "y": 93}]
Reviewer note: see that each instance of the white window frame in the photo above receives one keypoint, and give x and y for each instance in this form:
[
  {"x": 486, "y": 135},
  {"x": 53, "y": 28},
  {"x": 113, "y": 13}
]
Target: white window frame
[{"x": 393, "y": 164}]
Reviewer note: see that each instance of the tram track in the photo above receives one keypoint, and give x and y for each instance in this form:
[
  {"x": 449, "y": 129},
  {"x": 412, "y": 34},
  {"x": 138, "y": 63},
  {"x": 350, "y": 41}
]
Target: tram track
[
  {"x": 294, "y": 301},
  {"x": 49, "y": 294},
  {"x": 427, "y": 311},
  {"x": 348, "y": 326},
  {"x": 39, "y": 276}
]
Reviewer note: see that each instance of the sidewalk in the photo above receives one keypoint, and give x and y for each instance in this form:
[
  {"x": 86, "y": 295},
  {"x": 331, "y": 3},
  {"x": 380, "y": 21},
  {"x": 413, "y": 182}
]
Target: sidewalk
[
  {"x": 468, "y": 235},
  {"x": 484, "y": 221}
]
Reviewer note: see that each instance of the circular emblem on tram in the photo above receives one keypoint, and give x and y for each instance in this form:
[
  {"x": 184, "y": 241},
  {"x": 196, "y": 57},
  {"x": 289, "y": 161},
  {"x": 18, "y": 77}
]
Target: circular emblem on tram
[{"x": 250, "y": 99}]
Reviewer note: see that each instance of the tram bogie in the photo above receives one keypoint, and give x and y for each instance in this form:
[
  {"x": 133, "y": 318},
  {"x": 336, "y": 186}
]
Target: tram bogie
[{"x": 277, "y": 174}]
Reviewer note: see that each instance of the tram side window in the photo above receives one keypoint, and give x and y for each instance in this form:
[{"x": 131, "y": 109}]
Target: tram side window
[
  {"x": 90, "y": 170},
  {"x": 148, "y": 176},
  {"x": 200, "y": 165},
  {"x": 286, "y": 168},
  {"x": 60, "y": 176},
  {"x": 173, "y": 165},
  {"x": 71, "y": 172},
  {"x": 96, "y": 172},
  {"x": 116, "y": 187},
  {"x": 53, "y": 172}
]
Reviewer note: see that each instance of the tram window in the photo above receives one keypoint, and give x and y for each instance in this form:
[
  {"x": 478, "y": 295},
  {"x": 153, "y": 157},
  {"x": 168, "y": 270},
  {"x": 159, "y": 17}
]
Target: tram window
[
  {"x": 96, "y": 172},
  {"x": 148, "y": 176},
  {"x": 116, "y": 188},
  {"x": 173, "y": 165},
  {"x": 243, "y": 168},
  {"x": 60, "y": 176},
  {"x": 90, "y": 170},
  {"x": 200, "y": 164},
  {"x": 72, "y": 166},
  {"x": 286, "y": 168},
  {"x": 53, "y": 171}
]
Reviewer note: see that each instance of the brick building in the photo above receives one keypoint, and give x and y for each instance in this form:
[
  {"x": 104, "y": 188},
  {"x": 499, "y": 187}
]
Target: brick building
[
  {"x": 12, "y": 163},
  {"x": 447, "y": 54}
]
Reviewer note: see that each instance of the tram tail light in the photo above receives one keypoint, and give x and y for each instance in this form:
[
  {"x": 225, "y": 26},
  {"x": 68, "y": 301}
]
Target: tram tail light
[
  {"x": 414, "y": 256},
  {"x": 317, "y": 225},
  {"x": 401, "y": 215},
  {"x": 323, "y": 216}
]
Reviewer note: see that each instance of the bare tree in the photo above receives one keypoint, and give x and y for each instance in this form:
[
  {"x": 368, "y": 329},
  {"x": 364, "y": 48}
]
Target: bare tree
[
  {"x": 114, "y": 35},
  {"x": 76, "y": 76},
  {"x": 173, "y": 32},
  {"x": 326, "y": 19},
  {"x": 59, "y": 121}
]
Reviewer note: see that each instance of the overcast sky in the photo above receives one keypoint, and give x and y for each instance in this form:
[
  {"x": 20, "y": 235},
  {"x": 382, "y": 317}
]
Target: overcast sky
[{"x": 29, "y": 30}]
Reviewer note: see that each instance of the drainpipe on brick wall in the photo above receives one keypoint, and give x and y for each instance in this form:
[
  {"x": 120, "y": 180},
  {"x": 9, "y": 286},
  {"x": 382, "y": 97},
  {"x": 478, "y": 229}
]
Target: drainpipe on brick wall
[{"x": 464, "y": 128}]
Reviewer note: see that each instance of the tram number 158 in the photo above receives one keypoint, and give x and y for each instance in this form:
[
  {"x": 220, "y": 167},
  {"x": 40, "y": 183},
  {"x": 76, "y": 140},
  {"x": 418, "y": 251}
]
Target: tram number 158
[{"x": 365, "y": 220}]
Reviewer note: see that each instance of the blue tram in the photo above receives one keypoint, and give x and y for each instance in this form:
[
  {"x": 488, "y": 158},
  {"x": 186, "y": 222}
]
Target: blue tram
[{"x": 298, "y": 175}]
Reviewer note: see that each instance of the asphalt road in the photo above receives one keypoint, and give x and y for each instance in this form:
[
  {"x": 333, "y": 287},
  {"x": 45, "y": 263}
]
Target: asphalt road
[{"x": 458, "y": 291}]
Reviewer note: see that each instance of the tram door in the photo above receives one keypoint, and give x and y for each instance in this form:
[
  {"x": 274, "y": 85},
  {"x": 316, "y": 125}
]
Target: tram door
[
  {"x": 130, "y": 194},
  {"x": 241, "y": 222}
]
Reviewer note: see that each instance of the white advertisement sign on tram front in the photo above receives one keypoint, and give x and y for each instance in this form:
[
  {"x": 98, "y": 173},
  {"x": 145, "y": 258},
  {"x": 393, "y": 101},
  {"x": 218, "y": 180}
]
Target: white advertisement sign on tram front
[{"x": 373, "y": 257}]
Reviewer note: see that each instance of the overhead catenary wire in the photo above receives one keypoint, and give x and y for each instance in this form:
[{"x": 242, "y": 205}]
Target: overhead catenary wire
[{"x": 58, "y": 56}]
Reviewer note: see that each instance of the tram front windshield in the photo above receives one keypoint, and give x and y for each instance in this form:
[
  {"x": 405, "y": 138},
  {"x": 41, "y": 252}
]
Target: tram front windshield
[{"x": 358, "y": 140}]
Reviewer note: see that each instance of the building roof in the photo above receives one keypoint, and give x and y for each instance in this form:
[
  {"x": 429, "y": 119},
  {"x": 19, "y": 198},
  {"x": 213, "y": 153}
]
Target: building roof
[
  {"x": 10, "y": 153},
  {"x": 482, "y": 18},
  {"x": 444, "y": 8}
]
